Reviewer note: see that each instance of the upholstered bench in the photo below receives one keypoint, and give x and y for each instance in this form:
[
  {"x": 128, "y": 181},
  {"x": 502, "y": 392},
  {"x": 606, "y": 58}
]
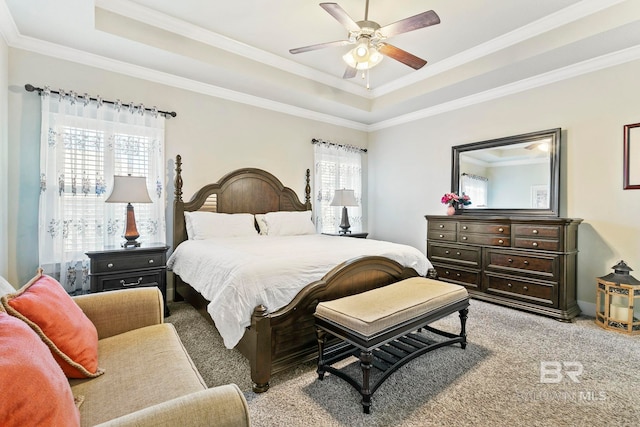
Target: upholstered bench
[{"x": 382, "y": 328}]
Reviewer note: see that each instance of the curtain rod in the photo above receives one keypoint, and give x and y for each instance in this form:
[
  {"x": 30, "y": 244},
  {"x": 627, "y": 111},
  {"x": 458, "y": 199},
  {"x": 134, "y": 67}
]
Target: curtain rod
[
  {"x": 31, "y": 88},
  {"x": 348, "y": 147}
]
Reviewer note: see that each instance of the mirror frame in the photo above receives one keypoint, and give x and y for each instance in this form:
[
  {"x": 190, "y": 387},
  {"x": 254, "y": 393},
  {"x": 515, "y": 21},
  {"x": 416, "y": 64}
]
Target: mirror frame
[{"x": 554, "y": 171}]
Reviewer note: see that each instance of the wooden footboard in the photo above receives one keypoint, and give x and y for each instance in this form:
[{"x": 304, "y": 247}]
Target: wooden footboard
[{"x": 286, "y": 337}]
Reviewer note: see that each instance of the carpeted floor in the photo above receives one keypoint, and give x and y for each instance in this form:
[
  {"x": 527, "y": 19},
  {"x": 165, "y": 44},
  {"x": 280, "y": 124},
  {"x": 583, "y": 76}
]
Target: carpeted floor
[{"x": 496, "y": 381}]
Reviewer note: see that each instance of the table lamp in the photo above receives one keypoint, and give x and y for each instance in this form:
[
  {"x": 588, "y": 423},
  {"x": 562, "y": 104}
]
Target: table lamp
[
  {"x": 344, "y": 198},
  {"x": 129, "y": 189}
]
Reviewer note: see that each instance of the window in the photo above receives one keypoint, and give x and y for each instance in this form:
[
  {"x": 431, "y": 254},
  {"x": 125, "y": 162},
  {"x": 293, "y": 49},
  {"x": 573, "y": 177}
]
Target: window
[
  {"x": 336, "y": 167},
  {"x": 475, "y": 187},
  {"x": 82, "y": 148}
]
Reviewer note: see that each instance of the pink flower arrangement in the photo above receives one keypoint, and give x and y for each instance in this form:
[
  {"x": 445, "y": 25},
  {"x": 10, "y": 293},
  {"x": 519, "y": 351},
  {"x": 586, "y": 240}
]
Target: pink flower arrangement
[{"x": 452, "y": 199}]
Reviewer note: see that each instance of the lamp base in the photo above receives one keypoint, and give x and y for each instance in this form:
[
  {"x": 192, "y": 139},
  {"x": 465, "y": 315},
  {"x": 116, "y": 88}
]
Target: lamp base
[
  {"x": 131, "y": 231},
  {"x": 344, "y": 223},
  {"x": 131, "y": 244}
]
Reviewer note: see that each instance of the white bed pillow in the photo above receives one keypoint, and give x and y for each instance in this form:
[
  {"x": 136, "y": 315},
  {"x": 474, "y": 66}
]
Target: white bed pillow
[
  {"x": 289, "y": 223},
  {"x": 207, "y": 225}
]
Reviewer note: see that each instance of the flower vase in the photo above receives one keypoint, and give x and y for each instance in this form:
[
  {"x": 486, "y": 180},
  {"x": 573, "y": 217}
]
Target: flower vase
[{"x": 451, "y": 210}]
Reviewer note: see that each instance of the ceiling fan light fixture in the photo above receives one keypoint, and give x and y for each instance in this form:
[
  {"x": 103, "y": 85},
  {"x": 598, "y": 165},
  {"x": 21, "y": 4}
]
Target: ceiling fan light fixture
[{"x": 363, "y": 56}]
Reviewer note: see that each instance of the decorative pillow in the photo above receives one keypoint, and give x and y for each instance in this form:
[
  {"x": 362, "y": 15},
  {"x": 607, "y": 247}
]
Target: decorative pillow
[
  {"x": 289, "y": 223},
  {"x": 262, "y": 225},
  {"x": 5, "y": 287},
  {"x": 35, "y": 390},
  {"x": 207, "y": 225},
  {"x": 45, "y": 306}
]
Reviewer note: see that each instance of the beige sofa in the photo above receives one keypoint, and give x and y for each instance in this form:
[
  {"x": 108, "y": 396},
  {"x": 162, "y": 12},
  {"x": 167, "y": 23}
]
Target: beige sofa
[{"x": 149, "y": 378}]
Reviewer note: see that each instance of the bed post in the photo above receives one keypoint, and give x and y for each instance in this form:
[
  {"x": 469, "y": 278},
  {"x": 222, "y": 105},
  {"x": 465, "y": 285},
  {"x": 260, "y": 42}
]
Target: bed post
[
  {"x": 260, "y": 359},
  {"x": 178, "y": 221},
  {"x": 307, "y": 192}
]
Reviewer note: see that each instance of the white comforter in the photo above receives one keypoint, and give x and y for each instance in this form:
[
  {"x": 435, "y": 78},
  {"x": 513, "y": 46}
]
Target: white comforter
[{"x": 236, "y": 274}]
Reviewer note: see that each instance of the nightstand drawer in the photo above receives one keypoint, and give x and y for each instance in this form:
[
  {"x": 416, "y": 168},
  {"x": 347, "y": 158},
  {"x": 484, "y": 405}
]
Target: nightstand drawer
[
  {"x": 131, "y": 280},
  {"x": 128, "y": 262}
]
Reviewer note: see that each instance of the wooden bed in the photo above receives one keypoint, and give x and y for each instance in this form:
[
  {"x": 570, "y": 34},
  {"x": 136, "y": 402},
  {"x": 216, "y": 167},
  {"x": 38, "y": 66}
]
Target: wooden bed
[{"x": 284, "y": 338}]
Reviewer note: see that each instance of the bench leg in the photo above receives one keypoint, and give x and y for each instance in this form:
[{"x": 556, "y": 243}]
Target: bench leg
[
  {"x": 366, "y": 357},
  {"x": 321, "y": 336},
  {"x": 463, "y": 327}
]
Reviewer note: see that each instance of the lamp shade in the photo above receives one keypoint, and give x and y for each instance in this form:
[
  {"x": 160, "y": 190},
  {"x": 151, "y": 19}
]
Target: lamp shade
[
  {"x": 129, "y": 189},
  {"x": 344, "y": 198}
]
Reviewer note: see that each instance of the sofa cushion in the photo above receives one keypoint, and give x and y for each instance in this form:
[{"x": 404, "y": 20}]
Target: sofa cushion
[
  {"x": 34, "y": 388},
  {"x": 142, "y": 367},
  {"x": 45, "y": 306}
]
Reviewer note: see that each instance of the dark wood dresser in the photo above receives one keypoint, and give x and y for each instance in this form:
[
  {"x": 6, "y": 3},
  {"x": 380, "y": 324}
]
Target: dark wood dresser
[{"x": 525, "y": 263}]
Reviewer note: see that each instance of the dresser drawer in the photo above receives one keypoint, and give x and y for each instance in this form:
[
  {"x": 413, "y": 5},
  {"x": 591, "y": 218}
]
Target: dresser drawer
[
  {"x": 485, "y": 239},
  {"x": 544, "y": 231},
  {"x": 545, "y": 266},
  {"x": 539, "y": 244},
  {"x": 459, "y": 276},
  {"x": 131, "y": 280},
  {"x": 442, "y": 226},
  {"x": 128, "y": 262},
  {"x": 539, "y": 292},
  {"x": 446, "y": 236},
  {"x": 467, "y": 255},
  {"x": 480, "y": 228}
]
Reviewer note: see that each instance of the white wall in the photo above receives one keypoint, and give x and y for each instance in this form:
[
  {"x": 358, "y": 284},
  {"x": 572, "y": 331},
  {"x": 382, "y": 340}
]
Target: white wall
[
  {"x": 213, "y": 136},
  {"x": 4, "y": 150},
  {"x": 410, "y": 165}
]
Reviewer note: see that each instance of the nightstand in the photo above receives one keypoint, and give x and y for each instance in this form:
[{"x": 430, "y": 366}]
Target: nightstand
[
  {"x": 120, "y": 268},
  {"x": 359, "y": 235}
]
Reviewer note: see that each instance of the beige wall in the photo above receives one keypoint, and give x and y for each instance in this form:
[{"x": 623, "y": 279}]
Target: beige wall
[
  {"x": 214, "y": 136},
  {"x": 409, "y": 165},
  {"x": 4, "y": 149}
]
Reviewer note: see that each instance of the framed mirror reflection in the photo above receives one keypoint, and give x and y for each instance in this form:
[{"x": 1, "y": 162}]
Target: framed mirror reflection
[{"x": 515, "y": 175}]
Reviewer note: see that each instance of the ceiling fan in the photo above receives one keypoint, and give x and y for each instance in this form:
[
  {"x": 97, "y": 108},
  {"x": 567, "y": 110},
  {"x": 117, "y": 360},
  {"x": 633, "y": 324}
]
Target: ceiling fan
[{"x": 369, "y": 38}]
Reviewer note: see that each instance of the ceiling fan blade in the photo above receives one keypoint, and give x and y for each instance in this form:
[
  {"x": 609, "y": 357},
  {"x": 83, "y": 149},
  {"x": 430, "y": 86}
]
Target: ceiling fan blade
[
  {"x": 319, "y": 46},
  {"x": 421, "y": 20},
  {"x": 341, "y": 16},
  {"x": 401, "y": 56},
  {"x": 350, "y": 73}
]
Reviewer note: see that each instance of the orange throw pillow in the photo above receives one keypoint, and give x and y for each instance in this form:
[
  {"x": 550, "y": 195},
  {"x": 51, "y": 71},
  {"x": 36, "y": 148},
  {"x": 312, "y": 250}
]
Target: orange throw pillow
[
  {"x": 34, "y": 389},
  {"x": 73, "y": 340}
]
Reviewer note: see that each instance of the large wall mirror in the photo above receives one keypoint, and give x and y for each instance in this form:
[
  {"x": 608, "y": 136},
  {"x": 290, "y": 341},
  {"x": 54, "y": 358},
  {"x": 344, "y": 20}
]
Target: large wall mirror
[{"x": 516, "y": 175}]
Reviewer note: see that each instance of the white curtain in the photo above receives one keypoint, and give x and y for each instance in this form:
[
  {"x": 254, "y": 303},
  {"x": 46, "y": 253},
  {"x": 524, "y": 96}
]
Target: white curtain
[
  {"x": 475, "y": 187},
  {"x": 336, "y": 167},
  {"x": 83, "y": 144}
]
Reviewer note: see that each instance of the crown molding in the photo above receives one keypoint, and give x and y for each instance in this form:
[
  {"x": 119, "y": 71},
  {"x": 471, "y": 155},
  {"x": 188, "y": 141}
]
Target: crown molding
[
  {"x": 177, "y": 26},
  {"x": 8, "y": 28},
  {"x": 570, "y": 71}
]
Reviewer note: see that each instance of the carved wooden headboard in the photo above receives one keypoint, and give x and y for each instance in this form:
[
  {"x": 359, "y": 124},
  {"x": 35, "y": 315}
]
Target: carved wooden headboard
[{"x": 247, "y": 190}]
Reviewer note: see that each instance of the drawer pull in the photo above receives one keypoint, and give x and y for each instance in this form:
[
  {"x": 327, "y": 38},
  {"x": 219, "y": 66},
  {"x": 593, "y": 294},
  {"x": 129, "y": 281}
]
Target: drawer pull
[
  {"x": 464, "y": 238},
  {"x": 501, "y": 241},
  {"x": 458, "y": 253},
  {"x": 110, "y": 265},
  {"x": 525, "y": 288},
  {"x": 526, "y": 262},
  {"x": 535, "y": 231},
  {"x": 464, "y": 227},
  {"x": 446, "y": 273},
  {"x": 441, "y": 226},
  {"x": 510, "y": 260},
  {"x": 447, "y": 252},
  {"x": 441, "y": 235},
  {"x": 123, "y": 283},
  {"x": 458, "y": 274},
  {"x": 535, "y": 244},
  {"x": 509, "y": 285},
  {"x": 150, "y": 261},
  {"x": 501, "y": 229}
]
